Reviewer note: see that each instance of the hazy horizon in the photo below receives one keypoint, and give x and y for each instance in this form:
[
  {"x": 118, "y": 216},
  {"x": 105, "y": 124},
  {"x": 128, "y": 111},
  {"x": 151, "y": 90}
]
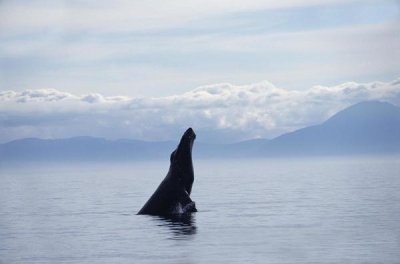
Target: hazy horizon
[
  {"x": 222, "y": 113},
  {"x": 201, "y": 140}
]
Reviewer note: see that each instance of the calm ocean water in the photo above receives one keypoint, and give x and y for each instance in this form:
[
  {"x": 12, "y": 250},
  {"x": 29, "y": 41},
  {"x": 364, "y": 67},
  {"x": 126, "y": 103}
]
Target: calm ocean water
[{"x": 250, "y": 211}]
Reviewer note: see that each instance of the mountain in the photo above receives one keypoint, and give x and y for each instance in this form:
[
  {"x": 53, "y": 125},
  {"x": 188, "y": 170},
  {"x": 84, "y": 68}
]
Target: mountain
[
  {"x": 364, "y": 128},
  {"x": 84, "y": 148}
]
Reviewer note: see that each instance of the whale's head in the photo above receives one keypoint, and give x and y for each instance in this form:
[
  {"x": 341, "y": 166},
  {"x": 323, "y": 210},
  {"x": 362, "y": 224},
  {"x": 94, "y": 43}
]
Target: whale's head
[{"x": 181, "y": 159}]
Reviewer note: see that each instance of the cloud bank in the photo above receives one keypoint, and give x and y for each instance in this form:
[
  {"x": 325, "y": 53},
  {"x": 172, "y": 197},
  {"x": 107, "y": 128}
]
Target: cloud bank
[{"x": 219, "y": 112}]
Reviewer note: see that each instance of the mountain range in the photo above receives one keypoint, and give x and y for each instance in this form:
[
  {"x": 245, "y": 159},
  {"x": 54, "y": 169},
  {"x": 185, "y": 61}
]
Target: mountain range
[{"x": 366, "y": 128}]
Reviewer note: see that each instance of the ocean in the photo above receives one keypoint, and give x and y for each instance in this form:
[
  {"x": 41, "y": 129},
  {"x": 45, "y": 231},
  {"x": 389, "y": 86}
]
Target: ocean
[{"x": 311, "y": 210}]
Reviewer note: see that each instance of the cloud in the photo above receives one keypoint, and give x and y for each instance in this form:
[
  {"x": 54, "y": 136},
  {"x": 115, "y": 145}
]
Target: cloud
[
  {"x": 122, "y": 15},
  {"x": 219, "y": 112},
  {"x": 98, "y": 46}
]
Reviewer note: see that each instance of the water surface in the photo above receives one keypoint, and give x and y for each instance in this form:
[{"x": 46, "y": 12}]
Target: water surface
[{"x": 250, "y": 211}]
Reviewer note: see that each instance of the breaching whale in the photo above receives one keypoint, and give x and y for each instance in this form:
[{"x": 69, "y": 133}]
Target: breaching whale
[{"x": 172, "y": 197}]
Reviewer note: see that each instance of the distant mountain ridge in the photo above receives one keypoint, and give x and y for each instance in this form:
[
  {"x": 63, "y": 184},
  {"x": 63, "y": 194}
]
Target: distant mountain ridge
[
  {"x": 83, "y": 148},
  {"x": 365, "y": 128}
]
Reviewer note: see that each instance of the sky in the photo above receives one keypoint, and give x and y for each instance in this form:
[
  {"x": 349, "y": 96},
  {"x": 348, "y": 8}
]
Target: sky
[{"x": 233, "y": 69}]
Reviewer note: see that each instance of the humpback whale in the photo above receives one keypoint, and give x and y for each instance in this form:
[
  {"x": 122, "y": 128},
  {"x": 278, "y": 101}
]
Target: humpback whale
[{"x": 172, "y": 197}]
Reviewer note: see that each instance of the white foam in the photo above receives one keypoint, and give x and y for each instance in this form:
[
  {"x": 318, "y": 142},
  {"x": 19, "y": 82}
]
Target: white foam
[{"x": 178, "y": 209}]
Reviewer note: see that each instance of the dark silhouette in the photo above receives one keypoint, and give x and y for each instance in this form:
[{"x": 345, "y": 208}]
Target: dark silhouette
[{"x": 172, "y": 196}]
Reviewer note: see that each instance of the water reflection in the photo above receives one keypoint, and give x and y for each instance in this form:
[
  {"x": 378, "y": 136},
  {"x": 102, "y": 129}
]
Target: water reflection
[{"x": 181, "y": 226}]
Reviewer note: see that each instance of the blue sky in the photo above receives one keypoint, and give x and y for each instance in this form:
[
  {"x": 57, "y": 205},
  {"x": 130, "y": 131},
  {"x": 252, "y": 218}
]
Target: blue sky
[
  {"x": 147, "y": 49},
  {"x": 154, "y": 49}
]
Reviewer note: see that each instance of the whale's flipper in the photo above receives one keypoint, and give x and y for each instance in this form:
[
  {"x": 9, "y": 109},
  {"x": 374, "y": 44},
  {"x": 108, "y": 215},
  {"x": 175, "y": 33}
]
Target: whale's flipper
[{"x": 173, "y": 194}]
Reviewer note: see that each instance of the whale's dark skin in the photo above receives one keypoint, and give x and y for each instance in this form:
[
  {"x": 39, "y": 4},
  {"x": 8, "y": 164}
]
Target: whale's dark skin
[{"x": 172, "y": 197}]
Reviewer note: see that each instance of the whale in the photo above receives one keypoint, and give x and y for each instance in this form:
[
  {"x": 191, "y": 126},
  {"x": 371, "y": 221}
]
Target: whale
[{"x": 172, "y": 197}]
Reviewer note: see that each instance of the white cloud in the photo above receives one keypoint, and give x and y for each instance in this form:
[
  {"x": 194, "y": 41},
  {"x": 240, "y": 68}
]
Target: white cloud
[
  {"x": 165, "y": 64},
  {"x": 218, "y": 112},
  {"x": 106, "y": 47}
]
